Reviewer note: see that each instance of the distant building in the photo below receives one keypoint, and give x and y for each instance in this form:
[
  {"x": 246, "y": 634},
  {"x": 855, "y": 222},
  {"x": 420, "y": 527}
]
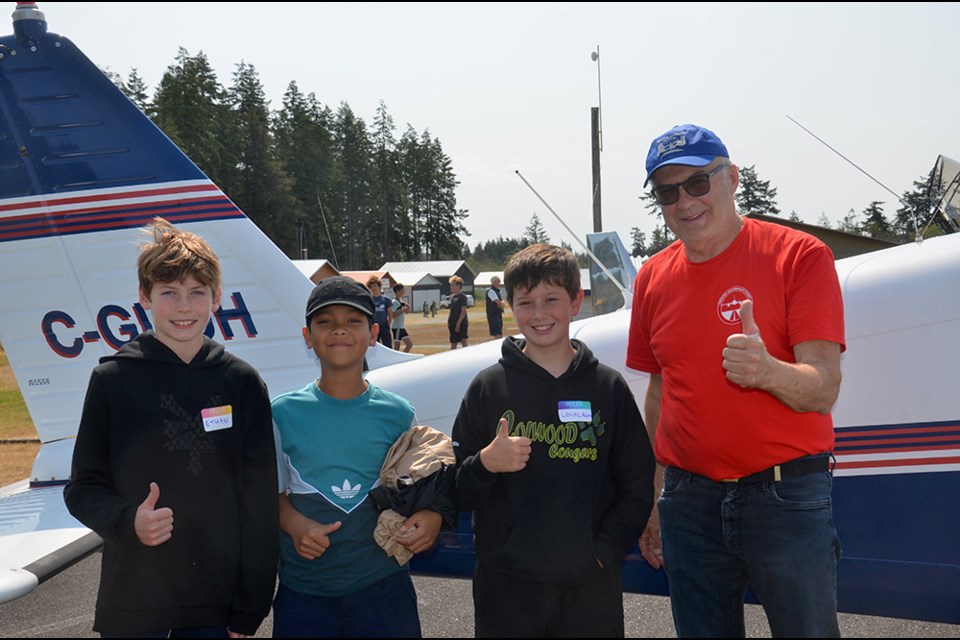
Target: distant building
[
  {"x": 316, "y": 270},
  {"x": 841, "y": 243},
  {"x": 439, "y": 269},
  {"x": 421, "y": 287},
  {"x": 386, "y": 280},
  {"x": 483, "y": 278}
]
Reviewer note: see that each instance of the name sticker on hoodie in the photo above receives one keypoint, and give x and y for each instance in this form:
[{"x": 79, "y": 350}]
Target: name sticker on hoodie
[
  {"x": 217, "y": 418},
  {"x": 575, "y": 411}
]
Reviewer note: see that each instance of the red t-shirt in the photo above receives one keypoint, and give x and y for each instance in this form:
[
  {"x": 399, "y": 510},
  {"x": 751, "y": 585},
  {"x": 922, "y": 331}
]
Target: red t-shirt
[{"x": 683, "y": 313}]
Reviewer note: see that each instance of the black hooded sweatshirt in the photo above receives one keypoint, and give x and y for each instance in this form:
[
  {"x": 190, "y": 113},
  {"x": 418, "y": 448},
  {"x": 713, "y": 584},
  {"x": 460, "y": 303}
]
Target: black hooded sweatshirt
[
  {"x": 150, "y": 417},
  {"x": 586, "y": 492}
]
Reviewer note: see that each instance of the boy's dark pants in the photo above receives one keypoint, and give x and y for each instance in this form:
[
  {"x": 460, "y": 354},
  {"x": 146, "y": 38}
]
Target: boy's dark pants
[{"x": 507, "y": 607}]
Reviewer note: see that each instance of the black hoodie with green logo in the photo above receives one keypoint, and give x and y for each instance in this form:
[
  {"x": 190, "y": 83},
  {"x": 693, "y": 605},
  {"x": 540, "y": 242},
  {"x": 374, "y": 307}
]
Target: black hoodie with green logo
[
  {"x": 202, "y": 431},
  {"x": 586, "y": 492}
]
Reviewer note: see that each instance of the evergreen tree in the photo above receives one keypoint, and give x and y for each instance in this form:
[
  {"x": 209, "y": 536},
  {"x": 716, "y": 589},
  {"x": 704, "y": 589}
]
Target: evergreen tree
[
  {"x": 136, "y": 89},
  {"x": 913, "y": 216},
  {"x": 535, "y": 232},
  {"x": 303, "y": 138},
  {"x": 306, "y": 174},
  {"x": 583, "y": 258},
  {"x": 430, "y": 185},
  {"x": 354, "y": 201},
  {"x": 191, "y": 110},
  {"x": 660, "y": 239},
  {"x": 661, "y": 236},
  {"x": 413, "y": 174},
  {"x": 849, "y": 223},
  {"x": 394, "y": 224},
  {"x": 479, "y": 259},
  {"x": 114, "y": 77},
  {"x": 755, "y": 195},
  {"x": 639, "y": 239},
  {"x": 496, "y": 253},
  {"x": 794, "y": 216},
  {"x": 875, "y": 223},
  {"x": 264, "y": 191},
  {"x": 823, "y": 221},
  {"x": 446, "y": 221}
]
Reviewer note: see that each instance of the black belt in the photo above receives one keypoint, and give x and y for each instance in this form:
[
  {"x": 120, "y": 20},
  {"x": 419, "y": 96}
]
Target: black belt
[{"x": 798, "y": 467}]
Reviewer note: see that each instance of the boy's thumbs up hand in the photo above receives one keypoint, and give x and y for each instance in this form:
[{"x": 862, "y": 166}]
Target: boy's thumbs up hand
[
  {"x": 152, "y": 497},
  {"x": 312, "y": 539},
  {"x": 505, "y": 453},
  {"x": 745, "y": 356},
  {"x": 153, "y": 526}
]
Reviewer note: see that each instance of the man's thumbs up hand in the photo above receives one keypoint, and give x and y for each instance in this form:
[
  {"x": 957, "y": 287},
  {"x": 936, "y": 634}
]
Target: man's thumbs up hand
[
  {"x": 745, "y": 355},
  {"x": 749, "y": 325}
]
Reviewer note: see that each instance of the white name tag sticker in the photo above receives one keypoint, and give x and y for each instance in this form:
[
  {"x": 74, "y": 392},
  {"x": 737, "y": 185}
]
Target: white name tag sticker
[
  {"x": 217, "y": 418},
  {"x": 575, "y": 411}
]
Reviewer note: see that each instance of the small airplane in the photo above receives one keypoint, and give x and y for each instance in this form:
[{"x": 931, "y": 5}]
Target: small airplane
[{"x": 82, "y": 170}]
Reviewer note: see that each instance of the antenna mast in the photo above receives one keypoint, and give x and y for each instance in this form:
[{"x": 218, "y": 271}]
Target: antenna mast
[{"x": 902, "y": 201}]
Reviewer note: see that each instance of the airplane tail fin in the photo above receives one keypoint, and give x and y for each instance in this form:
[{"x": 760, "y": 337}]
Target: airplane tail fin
[
  {"x": 611, "y": 281},
  {"x": 945, "y": 194}
]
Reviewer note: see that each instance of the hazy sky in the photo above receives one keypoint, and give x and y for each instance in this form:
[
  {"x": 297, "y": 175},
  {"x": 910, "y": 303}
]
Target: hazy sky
[{"x": 508, "y": 87}]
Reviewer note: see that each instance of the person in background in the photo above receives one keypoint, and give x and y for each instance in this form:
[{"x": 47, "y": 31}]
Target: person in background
[
  {"x": 555, "y": 463},
  {"x": 384, "y": 311},
  {"x": 495, "y": 305},
  {"x": 457, "y": 322},
  {"x": 740, "y": 325},
  {"x": 400, "y": 309},
  {"x": 174, "y": 464}
]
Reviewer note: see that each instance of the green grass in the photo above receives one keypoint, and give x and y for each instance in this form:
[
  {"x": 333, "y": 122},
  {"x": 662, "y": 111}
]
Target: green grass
[
  {"x": 14, "y": 418},
  {"x": 15, "y": 424}
]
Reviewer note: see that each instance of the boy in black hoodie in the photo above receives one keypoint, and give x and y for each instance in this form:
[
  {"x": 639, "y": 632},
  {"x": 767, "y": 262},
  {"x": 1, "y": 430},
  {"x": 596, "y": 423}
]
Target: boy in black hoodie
[
  {"x": 554, "y": 461},
  {"x": 174, "y": 464}
]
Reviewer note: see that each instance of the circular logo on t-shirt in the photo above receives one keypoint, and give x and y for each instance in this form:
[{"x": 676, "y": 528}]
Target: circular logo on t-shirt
[{"x": 728, "y": 308}]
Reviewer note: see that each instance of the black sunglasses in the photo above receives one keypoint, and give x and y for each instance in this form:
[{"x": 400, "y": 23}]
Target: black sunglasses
[{"x": 696, "y": 185}]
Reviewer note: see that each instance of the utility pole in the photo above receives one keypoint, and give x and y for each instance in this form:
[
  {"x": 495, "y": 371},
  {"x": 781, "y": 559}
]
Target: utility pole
[{"x": 596, "y": 132}]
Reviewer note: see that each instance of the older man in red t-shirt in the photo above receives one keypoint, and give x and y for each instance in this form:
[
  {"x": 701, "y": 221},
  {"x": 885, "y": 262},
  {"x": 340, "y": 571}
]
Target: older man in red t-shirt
[{"x": 740, "y": 325}]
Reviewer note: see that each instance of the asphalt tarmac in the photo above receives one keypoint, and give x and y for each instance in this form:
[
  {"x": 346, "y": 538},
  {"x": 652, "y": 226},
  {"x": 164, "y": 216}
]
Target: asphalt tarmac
[{"x": 62, "y": 607}]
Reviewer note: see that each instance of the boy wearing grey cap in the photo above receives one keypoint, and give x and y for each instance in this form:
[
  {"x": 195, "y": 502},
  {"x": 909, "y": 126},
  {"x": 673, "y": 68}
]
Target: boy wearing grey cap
[{"x": 332, "y": 437}]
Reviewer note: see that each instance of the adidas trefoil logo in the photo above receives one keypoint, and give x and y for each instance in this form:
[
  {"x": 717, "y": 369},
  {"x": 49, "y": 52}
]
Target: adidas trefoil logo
[{"x": 345, "y": 492}]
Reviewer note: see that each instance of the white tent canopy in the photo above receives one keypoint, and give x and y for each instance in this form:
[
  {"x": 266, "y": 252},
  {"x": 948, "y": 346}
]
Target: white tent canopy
[{"x": 483, "y": 278}]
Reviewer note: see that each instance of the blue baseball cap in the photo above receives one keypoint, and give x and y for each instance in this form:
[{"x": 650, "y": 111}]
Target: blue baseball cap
[{"x": 685, "y": 144}]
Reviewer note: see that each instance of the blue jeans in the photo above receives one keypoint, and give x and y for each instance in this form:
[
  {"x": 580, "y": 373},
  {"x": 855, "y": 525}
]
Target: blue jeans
[
  {"x": 777, "y": 538},
  {"x": 385, "y": 609}
]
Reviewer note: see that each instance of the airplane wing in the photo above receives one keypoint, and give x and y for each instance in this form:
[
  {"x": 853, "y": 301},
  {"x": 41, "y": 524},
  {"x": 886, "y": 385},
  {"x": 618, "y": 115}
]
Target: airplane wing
[{"x": 39, "y": 535}]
